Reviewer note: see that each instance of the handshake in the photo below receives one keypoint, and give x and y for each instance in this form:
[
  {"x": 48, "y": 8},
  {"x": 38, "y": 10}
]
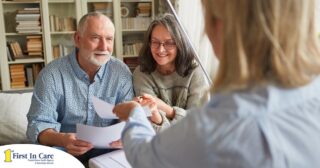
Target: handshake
[{"x": 153, "y": 104}]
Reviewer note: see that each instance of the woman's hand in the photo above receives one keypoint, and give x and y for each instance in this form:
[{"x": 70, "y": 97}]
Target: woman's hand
[
  {"x": 170, "y": 113},
  {"x": 151, "y": 104},
  {"x": 123, "y": 110},
  {"x": 116, "y": 144},
  {"x": 155, "y": 114}
]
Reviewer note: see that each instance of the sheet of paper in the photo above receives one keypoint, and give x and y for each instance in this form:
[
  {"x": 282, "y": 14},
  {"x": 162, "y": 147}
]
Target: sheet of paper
[
  {"x": 100, "y": 137},
  {"x": 115, "y": 159},
  {"x": 104, "y": 109}
]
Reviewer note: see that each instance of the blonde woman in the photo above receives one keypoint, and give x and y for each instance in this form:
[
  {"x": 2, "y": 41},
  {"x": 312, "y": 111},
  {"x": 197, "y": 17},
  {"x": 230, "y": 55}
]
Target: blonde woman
[{"x": 265, "y": 104}]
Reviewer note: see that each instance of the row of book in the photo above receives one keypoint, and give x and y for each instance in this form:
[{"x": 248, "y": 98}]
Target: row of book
[
  {"x": 103, "y": 7},
  {"x": 22, "y": 76},
  {"x": 28, "y": 20},
  {"x": 136, "y": 22},
  {"x": 14, "y": 50},
  {"x": 132, "y": 49},
  {"x": 61, "y": 50},
  {"x": 62, "y": 23},
  {"x": 34, "y": 48}
]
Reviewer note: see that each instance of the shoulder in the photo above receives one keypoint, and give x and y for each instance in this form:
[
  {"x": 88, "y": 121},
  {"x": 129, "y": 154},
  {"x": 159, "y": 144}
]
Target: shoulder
[
  {"x": 139, "y": 75},
  {"x": 55, "y": 67}
]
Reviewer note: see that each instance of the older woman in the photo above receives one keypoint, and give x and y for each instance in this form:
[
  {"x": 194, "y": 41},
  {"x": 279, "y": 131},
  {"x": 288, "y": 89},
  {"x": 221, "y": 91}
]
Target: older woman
[{"x": 168, "y": 75}]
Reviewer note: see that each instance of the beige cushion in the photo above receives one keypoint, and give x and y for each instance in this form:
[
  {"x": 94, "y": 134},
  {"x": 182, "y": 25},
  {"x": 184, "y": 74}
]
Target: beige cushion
[{"x": 13, "y": 121}]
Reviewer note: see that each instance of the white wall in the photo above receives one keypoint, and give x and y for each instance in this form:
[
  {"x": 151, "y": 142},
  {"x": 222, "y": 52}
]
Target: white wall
[{"x": 194, "y": 25}]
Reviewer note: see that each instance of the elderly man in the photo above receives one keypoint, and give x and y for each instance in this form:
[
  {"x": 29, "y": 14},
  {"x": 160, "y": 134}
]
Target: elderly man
[{"x": 63, "y": 90}]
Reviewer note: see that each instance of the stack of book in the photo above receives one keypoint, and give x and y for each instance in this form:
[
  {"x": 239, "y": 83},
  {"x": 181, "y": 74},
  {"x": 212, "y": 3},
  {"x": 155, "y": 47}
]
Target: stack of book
[
  {"x": 103, "y": 7},
  {"x": 62, "y": 23},
  {"x": 132, "y": 62},
  {"x": 18, "y": 76},
  {"x": 34, "y": 46},
  {"x": 28, "y": 20},
  {"x": 143, "y": 9}
]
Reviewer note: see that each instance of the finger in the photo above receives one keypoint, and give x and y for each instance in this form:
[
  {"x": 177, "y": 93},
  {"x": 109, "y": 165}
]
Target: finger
[
  {"x": 81, "y": 143},
  {"x": 116, "y": 144},
  {"x": 76, "y": 151}
]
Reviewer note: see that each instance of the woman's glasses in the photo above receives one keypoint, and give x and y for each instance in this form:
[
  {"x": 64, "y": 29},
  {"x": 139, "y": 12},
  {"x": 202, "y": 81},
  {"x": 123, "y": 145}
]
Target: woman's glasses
[{"x": 168, "y": 45}]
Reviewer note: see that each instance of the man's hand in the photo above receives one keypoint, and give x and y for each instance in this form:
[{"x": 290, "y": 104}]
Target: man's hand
[
  {"x": 68, "y": 141},
  {"x": 75, "y": 146}
]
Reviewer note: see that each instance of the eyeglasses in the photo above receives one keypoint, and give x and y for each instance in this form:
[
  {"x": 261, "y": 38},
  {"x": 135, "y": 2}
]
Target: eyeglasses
[{"x": 168, "y": 45}]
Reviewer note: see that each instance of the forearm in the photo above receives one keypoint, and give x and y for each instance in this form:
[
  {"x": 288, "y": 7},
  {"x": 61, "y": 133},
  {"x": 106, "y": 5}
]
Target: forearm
[
  {"x": 50, "y": 137},
  {"x": 170, "y": 112}
]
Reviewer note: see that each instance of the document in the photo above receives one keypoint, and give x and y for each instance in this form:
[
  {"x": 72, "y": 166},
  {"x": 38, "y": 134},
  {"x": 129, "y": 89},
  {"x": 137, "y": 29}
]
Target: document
[
  {"x": 115, "y": 159},
  {"x": 100, "y": 137},
  {"x": 104, "y": 109}
]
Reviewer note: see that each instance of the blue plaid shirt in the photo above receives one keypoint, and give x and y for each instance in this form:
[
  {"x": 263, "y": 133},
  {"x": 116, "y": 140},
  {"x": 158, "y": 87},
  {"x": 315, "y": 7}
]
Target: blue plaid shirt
[{"x": 63, "y": 91}]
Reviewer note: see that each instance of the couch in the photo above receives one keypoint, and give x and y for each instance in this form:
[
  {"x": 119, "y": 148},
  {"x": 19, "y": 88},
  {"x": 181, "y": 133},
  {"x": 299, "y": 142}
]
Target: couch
[
  {"x": 13, "y": 121},
  {"x": 13, "y": 126}
]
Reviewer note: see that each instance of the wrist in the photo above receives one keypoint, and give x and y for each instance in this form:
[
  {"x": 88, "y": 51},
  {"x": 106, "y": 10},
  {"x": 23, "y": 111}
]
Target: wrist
[
  {"x": 157, "y": 118},
  {"x": 171, "y": 113}
]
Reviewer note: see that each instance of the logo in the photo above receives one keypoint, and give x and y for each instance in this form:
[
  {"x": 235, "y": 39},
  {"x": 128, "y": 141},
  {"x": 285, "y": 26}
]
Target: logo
[
  {"x": 7, "y": 154},
  {"x": 30, "y": 155}
]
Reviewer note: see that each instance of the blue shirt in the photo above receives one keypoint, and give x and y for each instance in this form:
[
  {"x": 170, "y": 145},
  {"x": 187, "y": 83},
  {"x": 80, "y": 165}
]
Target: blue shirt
[
  {"x": 62, "y": 95},
  {"x": 267, "y": 126}
]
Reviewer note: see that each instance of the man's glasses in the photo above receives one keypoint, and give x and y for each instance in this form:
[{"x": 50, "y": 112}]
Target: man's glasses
[{"x": 168, "y": 45}]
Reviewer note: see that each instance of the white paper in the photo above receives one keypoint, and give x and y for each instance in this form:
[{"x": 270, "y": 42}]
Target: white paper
[
  {"x": 104, "y": 109},
  {"x": 100, "y": 137},
  {"x": 115, "y": 159}
]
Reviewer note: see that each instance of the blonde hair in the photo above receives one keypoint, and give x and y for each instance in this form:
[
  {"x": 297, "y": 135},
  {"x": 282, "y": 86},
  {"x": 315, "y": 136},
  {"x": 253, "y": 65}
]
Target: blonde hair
[{"x": 265, "y": 41}]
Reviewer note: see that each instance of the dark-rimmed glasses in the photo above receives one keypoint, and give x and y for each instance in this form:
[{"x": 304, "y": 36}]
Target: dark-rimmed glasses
[{"x": 168, "y": 45}]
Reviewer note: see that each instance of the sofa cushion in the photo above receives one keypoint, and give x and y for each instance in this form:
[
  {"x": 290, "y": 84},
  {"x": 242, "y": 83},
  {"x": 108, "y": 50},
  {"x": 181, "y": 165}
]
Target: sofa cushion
[{"x": 13, "y": 120}]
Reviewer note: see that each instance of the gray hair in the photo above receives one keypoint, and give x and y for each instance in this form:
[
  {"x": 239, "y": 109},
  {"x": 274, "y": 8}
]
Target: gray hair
[{"x": 82, "y": 25}]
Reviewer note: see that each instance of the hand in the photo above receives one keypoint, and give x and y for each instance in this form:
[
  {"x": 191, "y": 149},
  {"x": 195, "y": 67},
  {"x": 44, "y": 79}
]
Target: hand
[
  {"x": 155, "y": 114},
  {"x": 75, "y": 146},
  {"x": 170, "y": 113},
  {"x": 123, "y": 110},
  {"x": 116, "y": 144}
]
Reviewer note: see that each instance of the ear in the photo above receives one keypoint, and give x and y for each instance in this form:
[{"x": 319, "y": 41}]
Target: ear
[{"x": 76, "y": 39}]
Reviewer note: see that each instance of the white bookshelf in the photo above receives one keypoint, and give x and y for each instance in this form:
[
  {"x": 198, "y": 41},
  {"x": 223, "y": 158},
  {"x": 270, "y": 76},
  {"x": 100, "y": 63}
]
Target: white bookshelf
[{"x": 63, "y": 9}]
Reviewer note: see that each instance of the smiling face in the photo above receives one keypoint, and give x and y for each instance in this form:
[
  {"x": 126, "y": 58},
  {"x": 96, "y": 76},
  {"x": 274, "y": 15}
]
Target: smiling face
[
  {"x": 166, "y": 53},
  {"x": 95, "y": 42}
]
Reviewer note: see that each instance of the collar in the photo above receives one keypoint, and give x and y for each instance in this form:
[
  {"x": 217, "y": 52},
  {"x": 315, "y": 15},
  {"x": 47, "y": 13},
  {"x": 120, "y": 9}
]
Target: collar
[{"x": 80, "y": 73}]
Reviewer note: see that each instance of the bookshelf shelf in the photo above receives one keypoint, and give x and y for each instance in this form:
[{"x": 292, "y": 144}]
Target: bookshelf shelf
[
  {"x": 27, "y": 61},
  {"x": 61, "y": 1},
  {"x": 62, "y": 33},
  {"x": 128, "y": 31},
  {"x": 14, "y": 2}
]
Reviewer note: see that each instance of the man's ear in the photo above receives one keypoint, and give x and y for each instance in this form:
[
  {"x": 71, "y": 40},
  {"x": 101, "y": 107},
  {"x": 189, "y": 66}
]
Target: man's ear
[{"x": 76, "y": 39}]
